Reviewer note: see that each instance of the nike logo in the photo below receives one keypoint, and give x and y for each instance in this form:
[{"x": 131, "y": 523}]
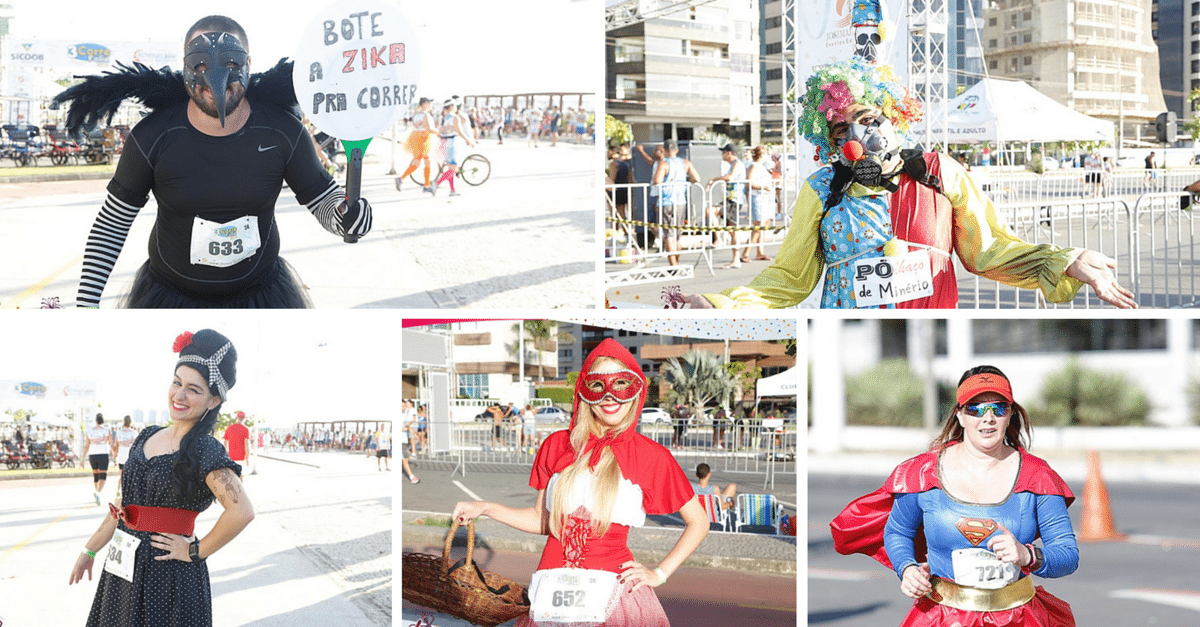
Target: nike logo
[{"x": 261, "y": 149}]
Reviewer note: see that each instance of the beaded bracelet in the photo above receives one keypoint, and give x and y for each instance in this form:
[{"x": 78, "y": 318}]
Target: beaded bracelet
[{"x": 661, "y": 575}]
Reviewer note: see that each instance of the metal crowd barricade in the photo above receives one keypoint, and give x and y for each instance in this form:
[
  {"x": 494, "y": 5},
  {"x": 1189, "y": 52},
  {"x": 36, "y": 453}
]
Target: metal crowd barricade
[
  {"x": 742, "y": 448},
  {"x": 1101, "y": 225},
  {"x": 633, "y": 234},
  {"x": 1166, "y": 261}
]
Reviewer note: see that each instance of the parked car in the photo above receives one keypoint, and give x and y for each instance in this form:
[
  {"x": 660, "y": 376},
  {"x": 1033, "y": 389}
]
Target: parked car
[
  {"x": 550, "y": 414},
  {"x": 654, "y": 415}
]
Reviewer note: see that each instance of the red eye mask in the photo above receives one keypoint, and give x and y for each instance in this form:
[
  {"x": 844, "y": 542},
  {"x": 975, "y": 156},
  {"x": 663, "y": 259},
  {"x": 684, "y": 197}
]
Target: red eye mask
[{"x": 623, "y": 386}]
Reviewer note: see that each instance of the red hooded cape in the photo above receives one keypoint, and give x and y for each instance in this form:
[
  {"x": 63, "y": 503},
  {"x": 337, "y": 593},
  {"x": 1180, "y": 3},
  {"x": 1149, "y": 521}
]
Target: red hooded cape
[
  {"x": 859, "y": 528},
  {"x": 643, "y": 461}
]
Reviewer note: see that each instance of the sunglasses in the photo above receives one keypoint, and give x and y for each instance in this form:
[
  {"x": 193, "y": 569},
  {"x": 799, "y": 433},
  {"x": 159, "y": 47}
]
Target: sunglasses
[{"x": 977, "y": 410}]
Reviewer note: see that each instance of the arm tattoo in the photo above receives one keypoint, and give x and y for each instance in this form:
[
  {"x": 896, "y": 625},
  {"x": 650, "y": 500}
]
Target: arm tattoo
[{"x": 231, "y": 483}]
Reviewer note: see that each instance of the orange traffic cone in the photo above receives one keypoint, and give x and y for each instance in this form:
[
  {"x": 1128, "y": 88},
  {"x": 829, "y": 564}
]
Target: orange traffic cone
[{"x": 1097, "y": 522}]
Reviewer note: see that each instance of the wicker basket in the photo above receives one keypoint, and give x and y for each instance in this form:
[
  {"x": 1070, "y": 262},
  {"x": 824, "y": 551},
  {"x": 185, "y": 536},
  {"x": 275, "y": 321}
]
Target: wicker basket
[{"x": 460, "y": 588}]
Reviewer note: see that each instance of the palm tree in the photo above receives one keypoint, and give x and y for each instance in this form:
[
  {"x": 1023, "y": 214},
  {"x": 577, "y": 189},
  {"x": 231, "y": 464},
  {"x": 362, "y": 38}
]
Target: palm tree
[
  {"x": 544, "y": 334},
  {"x": 698, "y": 378}
]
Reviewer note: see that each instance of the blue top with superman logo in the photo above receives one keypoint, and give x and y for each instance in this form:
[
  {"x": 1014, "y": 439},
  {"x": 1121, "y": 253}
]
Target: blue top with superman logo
[{"x": 949, "y": 524}]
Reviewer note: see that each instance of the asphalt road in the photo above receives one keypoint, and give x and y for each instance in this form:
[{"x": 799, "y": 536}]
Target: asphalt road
[
  {"x": 319, "y": 551},
  {"x": 1147, "y": 579},
  {"x": 523, "y": 239},
  {"x": 694, "y": 597}
]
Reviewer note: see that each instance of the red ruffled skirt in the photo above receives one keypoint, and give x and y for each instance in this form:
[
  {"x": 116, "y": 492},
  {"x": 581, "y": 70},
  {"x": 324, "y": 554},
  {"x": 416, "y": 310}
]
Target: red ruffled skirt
[
  {"x": 1043, "y": 610},
  {"x": 626, "y": 607}
]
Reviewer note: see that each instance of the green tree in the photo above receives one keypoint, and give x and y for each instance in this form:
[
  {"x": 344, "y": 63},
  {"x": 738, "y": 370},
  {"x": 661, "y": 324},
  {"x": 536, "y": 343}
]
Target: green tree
[
  {"x": 617, "y": 132},
  {"x": 1076, "y": 395},
  {"x": 1192, "y": 126},
  {"x": 698, "y": 378},
  {"x": 21, "y": 414},
  {"x": 224, "y": 420},
  {"x": 889, "y": 394},
  {"x": 744, "y": 377},
  {"x": 544, "y": 334}
]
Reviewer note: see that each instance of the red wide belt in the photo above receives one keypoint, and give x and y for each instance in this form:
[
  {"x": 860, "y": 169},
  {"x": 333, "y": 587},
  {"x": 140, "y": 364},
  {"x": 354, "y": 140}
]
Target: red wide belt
[{"x": 156, "y": 519}]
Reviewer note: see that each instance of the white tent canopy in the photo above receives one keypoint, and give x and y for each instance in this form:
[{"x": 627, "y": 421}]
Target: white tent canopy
[
  {"x": 786, "y": 383},
  {"x": 999, "y": 110}
]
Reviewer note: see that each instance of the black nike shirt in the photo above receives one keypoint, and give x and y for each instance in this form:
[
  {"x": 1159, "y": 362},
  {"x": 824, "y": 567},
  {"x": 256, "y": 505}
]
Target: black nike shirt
[{"x": 219, "y": 179}]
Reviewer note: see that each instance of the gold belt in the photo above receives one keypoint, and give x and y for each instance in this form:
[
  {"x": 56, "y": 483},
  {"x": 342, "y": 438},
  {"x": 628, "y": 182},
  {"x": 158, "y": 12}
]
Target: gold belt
[{"x": 1015, "y": 594}]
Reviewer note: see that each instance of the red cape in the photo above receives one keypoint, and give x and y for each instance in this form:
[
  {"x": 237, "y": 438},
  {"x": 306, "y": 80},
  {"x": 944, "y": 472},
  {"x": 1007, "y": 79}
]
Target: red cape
[{"x": 859, "y": 528}]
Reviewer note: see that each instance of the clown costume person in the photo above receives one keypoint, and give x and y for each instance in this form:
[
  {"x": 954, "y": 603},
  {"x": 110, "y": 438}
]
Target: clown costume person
[
  {"x": 958, "y": 523},
  {"x": 873, "y": 200},
  {"x": 595, "y": 480}
]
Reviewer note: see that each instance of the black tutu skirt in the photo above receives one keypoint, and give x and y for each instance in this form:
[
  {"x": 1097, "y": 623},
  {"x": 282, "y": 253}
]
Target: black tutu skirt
[{"x": 278, "y": 288}]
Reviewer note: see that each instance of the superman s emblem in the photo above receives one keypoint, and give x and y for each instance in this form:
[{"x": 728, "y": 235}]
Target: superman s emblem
[{"x": 975, "y": 530}]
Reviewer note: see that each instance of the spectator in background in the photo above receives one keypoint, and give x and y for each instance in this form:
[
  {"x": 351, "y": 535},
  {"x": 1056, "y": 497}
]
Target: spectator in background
[
  {"x": 383, "y": 447},
  {"x": 237, "y": 440},
  {"x": 703, "y": 474}
]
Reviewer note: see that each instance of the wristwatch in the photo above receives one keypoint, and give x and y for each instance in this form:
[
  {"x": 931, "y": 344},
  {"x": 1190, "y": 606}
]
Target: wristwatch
[{"x": 194, "y": 550}]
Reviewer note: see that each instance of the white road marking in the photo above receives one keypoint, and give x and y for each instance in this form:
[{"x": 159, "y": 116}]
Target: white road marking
[
  {"x": 843, "y": 575},
  {"x": 474, "y": 497},
  {"x": 1187, "y": 599}
]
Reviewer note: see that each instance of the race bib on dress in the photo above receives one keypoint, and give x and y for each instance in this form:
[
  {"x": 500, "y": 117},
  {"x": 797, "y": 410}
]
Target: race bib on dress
[
  {"x": 571, "y": 595},
  {"x": 980, "y": 568},
  {"x": 122, "y": 550},
  {"x": 889, "y": 280},
  {"x": 223, "y": 245}
]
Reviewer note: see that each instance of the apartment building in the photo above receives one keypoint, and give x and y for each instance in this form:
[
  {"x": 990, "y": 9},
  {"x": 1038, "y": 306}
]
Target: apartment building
[
  {"x": 687, "y": 70},
  {"x": 1095, "y": 56}
]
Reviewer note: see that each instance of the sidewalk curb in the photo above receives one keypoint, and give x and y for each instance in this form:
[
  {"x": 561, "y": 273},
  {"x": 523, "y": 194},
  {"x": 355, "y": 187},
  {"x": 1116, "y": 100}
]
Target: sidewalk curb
[
  {"x": 436, "y": 537},
  {"x": 57, "y": 176}
]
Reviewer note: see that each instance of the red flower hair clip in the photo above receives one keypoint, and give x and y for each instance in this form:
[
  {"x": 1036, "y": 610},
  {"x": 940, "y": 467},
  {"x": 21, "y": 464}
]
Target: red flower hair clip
[{"x": 183, "y": 341}]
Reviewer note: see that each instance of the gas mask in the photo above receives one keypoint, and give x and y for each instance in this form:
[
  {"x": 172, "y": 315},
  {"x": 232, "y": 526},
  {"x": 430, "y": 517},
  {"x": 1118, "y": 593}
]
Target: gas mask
[
  {"x": 866, "y": 42},
  {"x": 224, "y": 61},
  {"x": 867, "y": 148}
]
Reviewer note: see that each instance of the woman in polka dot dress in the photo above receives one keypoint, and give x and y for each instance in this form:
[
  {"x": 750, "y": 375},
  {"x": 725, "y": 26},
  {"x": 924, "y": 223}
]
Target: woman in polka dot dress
[{"x": 155, "y": 573}]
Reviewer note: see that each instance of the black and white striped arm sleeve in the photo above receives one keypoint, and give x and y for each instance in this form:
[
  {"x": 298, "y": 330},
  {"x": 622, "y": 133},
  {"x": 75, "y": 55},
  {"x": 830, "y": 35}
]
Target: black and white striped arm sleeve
[
  {"x": 104, "y": 245},
  {"x": 357, "y": 220}
]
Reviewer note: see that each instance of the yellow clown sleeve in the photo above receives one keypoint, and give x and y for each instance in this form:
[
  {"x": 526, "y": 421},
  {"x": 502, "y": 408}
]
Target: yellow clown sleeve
[
  {"x": 798, "y": 265},
  {"x": 989, "y": 248}
]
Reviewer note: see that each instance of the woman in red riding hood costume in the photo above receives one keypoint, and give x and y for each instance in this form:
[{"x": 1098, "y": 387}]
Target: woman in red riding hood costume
[
  {"x": 958, "y": 522},
  {"x": 595, "y": 480}
]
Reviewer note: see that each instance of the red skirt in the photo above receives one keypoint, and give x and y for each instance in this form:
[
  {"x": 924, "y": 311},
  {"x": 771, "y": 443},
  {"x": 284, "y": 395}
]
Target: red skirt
[
  {"x": 625, "y": 609},
  {"x": 1043, "y": 610}
]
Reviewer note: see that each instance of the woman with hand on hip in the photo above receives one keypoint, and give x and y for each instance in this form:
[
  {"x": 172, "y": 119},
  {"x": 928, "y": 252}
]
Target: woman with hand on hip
[
  {"x": 155, "y": 573},
  {"x": 958, "y": 523},
  {"x": 595, "y": 481}
]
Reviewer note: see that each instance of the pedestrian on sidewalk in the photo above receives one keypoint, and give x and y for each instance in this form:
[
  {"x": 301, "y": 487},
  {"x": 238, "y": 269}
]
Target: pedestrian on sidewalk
[
  {"x": 978, "y": 501},
  {"x": 237, "y": 440},
  {"x": 100, "y": 437},
  {"x": 156, "y": 571},
  {"x": 383, "y": 448},
  {"x": 595, "y": 480}
]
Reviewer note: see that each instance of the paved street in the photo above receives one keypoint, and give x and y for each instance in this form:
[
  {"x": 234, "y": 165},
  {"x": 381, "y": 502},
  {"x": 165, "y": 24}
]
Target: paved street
[
  {"x": 523, "y": 239},
  {"x": 319, "y": 550},
  {"x": 1148, "y": 579}
]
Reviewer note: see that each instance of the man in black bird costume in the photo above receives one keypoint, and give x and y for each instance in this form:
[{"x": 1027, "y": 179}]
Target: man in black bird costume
[{"x": 216, "y": 149}]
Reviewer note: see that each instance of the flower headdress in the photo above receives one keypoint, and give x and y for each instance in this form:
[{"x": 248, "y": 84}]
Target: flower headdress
[{"x": 838, "y": 85}]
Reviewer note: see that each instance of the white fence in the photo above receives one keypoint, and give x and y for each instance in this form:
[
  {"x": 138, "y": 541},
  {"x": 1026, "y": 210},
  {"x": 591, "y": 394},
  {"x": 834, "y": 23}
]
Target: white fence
[
  {"x": 1140, "y": 218},
  {"x": 742, "y": 448}
]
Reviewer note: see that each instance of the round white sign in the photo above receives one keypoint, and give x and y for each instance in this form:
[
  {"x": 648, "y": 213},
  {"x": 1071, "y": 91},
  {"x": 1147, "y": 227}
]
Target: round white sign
[{"x": 356, "y": 68}]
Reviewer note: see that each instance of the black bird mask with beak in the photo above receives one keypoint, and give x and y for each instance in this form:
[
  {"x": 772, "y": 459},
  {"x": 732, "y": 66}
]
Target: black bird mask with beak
[{"x": 216, "y": 61}]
